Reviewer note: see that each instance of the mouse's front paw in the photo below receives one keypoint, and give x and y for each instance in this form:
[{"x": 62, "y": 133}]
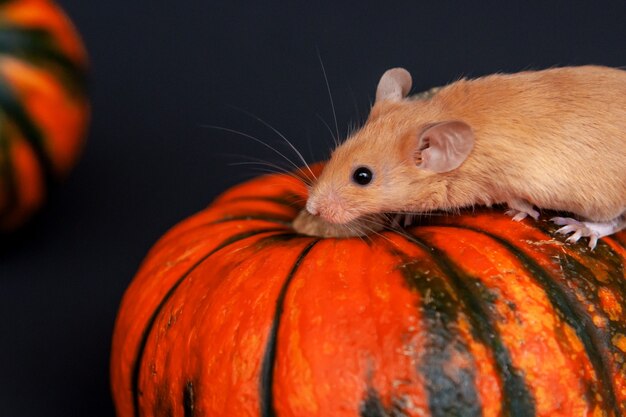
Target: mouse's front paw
[
  {"x": 517, "y": 215},
  {"x": 519, "y": 209},
  {"x": 579, "y": 229}
]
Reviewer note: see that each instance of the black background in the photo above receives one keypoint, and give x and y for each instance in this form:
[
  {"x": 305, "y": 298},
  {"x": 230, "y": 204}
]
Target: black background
[{"x": 164, "y": 70}]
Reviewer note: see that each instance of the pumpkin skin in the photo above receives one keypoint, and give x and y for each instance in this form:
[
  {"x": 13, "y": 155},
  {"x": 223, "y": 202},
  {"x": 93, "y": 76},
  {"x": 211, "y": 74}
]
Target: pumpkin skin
[
  {"x": 232, "y": 313},
  {"x": 43, "y": 104}
]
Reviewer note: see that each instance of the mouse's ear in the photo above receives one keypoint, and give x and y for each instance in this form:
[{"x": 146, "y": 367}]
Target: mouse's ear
[
  {"x": 394, "y": 85},
  {"x": 444, "y": 146}
]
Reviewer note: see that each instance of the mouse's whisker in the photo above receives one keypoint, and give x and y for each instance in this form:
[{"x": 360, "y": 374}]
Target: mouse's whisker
[
  {"x": 250, "y": 160},
  {"x": 330, "y": 96},
  {"x": 359, "y": 117},
  {"x": 272, "y": 168},
  {"x": 330, "y": 130},
  {"x": 283, "y": 137},
  {"x": 254, "y": 164},
  {"x": 373, "y": 227},
  {"x": 275, "y": 168},
  {"x": 254, "y": 138},
  {"x": 267, "y": 171}
]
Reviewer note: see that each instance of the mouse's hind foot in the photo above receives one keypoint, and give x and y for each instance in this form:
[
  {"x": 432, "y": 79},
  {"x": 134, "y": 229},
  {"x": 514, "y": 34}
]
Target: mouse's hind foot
[{"x": 592, "y": 230}]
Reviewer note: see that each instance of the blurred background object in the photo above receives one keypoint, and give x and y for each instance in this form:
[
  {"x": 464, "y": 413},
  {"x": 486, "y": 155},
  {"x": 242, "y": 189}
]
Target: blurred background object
[{"x": 43, "y": 105}]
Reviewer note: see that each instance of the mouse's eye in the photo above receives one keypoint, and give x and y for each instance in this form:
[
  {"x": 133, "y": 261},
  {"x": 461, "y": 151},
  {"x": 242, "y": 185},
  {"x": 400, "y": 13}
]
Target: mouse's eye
[{"x": 362, "y": 175}]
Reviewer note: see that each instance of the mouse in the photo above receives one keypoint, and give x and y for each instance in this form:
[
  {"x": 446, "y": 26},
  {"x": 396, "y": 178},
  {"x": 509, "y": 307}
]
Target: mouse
[{"x": 551, "y": 139}]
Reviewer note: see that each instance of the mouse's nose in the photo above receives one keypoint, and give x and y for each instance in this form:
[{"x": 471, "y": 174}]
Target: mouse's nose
[{"x": 310, "y": 207}]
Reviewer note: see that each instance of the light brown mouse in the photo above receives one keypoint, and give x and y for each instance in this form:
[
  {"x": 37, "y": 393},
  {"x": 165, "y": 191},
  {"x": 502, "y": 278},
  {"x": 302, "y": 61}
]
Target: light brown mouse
[{"x": 552, "y": 139}]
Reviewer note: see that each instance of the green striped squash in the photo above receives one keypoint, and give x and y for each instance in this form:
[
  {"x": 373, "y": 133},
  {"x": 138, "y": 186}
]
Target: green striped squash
[
  {"x": 233, "y": 313},
  {"x": 43, "y": 104}
]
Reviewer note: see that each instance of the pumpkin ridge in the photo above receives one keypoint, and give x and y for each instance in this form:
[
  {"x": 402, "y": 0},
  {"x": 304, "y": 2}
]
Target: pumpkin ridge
[
  {"x": 517, "y": 399},
  {"x": 283, "y": 221},
  {"x": 576, "y": 271},
  {"x": 267, "y": 363},
  {"x": 288, "y": 200},
  {"x": 14, "y": 110},
  {"x": 595, "y": 344},
  {"x": 37, "y": 47},
  {"x": 446, "y": 395},
  {"x": 188, "y": 399},
  {"x": 136, "y": 364},
  {"x": 616, "y": 241},
  {"x": 275, "y": 220},
  {"x": 372, "y": 406},
  {"x": 285, "y": 361}
]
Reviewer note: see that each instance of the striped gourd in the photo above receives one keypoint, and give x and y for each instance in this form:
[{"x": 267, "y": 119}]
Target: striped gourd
[
  {"x": 43, "y": 104},
  {"x": 232, "y": 313}
]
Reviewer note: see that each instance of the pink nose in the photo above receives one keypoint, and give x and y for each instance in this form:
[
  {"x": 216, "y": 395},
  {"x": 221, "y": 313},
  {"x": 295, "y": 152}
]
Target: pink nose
[{"x": 311, "y": 208}]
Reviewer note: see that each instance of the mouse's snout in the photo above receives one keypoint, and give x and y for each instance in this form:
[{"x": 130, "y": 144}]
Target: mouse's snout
[
  {"x": 328, "y": 205},
  {"x": 311, "y": 208}
]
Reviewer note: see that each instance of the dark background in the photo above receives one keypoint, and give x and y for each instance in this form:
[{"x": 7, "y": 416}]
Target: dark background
[{"x": 162, "y": 71}]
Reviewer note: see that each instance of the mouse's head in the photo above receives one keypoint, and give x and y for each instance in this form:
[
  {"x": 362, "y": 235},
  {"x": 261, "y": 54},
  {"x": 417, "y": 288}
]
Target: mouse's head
[{"x": 379, "y": 168}]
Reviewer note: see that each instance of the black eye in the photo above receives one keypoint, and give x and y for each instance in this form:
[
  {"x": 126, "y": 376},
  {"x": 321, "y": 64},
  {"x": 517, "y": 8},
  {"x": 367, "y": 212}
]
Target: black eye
[{"x": 362, "y": 176}]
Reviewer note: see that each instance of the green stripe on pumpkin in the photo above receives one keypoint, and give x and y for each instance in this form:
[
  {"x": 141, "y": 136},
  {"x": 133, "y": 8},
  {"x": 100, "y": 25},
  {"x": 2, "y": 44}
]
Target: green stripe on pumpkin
[
  {"x": 372, "y": 406},
  {"x": 448, "y": 395},
  {"x": 38, "y": 47},
  {"x": 517, "y": 399},
  {"x": 564, "y": 299},
  {"x": 13, "y": 110},
  {"x": 585, "y": 286}
]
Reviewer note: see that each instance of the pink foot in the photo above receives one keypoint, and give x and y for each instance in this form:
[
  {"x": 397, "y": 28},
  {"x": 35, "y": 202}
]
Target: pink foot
[
  {"x": 592, "y": 230},
  {"x": 519, "y": 209}
]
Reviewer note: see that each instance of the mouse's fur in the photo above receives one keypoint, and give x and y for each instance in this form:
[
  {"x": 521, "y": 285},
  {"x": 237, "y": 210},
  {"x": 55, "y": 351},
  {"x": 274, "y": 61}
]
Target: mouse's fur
[{"x": 555, "y": 139}]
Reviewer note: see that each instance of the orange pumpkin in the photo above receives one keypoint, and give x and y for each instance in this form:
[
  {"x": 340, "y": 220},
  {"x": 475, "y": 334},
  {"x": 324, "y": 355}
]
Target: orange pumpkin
[
  {"x": 43, "y": 104},
  {"x": 232, "y": 313}
]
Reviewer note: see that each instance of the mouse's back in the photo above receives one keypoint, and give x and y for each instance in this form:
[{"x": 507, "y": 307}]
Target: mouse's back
[{"x": 556, "y": 137}]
